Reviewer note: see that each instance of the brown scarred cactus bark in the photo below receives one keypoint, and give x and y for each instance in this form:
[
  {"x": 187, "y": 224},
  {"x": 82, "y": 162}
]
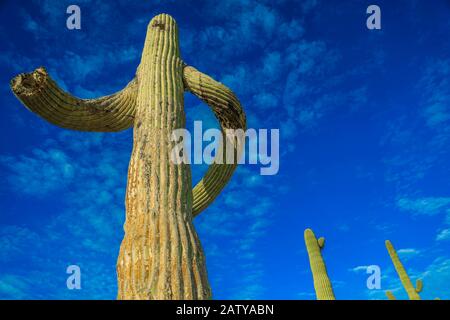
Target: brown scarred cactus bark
[{"x": 161, "y": 256}]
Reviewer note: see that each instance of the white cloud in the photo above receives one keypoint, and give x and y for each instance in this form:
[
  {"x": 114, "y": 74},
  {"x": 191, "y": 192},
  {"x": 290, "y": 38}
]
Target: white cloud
[
  {"x": 436, "y": 90},
  {"x": 359, "y": 269},
  {"x": 443, "y": 235},
  {"x": 16, "y": 240},
  {"x": 436, "y": 279},
  {"x": 14, "y": 286},
  {"x": 87, "y": 231},
  {"x": 41, "y": 172},
  {"x": 408, "y": 253},
  {"x": 424, "y": 206}
]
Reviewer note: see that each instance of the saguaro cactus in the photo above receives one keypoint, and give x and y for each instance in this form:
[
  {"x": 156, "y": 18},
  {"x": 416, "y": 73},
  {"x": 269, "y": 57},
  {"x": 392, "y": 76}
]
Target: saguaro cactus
[
  {"x": 160, "y": 256},
  {"x": 413, "y": 292},
  {"x": 322, "y": 284},
  {"x": 390, "y": 295}
]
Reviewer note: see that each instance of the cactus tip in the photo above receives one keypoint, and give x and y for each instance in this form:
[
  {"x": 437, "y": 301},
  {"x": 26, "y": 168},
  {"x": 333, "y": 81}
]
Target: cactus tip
[
  {"x": 28, "y": 83},
  {"x": 390, "y": 295},
  {"x": 419, "y": 285},
  {"x": 321, "y": 242}
]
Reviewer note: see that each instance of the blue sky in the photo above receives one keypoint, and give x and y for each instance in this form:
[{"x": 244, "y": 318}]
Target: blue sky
[{"x": 364, "y": 141}]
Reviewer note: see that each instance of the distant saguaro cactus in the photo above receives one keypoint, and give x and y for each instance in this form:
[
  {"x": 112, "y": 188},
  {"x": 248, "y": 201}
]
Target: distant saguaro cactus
[
  {"x": 322, "y": 284},
  {"x": 413, "y": 292},
  {"x": 390, "y": 295},
  {"x": 161, "y": 256}
]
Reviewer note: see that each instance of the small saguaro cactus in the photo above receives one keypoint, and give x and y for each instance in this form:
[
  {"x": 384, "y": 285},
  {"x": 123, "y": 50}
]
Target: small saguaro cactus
[
  {"x": 322, "y": 284},
  {"x": 413, "y": 292},
  {"x": 160, "y": 256}
]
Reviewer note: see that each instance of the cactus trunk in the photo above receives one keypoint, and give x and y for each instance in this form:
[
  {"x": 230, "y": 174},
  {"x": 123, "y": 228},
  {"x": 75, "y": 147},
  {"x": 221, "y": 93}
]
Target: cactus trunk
[
  {"x": 322, "y": 284},
  {"x": 407, "y": 284},
  {"x": 160, "y": 256}
]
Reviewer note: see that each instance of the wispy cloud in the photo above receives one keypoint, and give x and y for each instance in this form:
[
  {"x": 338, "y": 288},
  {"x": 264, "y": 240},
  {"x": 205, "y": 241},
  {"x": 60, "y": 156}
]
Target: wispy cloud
[
  {"x": 359, "y": 269},
  {"x": 408, "y": 253},
  {"x": 40, "y": 173},
  {"x": 88, "y": 231},
  {"x": 425, "y": 206},
  {"x": 436, "y": 90},
  {"x": 443, "y": 235},
  {"x": 241, "y": 226},
  {"x": 14, "y": 286},
  {"x": 436, "y": 279},
  {"x": 15, "y": 241}
]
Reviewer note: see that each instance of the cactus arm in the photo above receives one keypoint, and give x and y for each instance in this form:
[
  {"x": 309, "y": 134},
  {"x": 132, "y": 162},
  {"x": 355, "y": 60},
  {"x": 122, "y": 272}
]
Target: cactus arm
[
  {"x": 419, "y": 285},
  {"x": 407, "y": 284},
  {"x": 321, "y": 242},
  {"x": 230, "y": 114},
  {"x": 322, "y": 284},
  {"x": 41, "y": 95},
  {"x": 390, "y": 295}
]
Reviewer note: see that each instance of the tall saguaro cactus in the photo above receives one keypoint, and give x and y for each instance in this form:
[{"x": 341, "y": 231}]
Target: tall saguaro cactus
[
  {"x": 322, "y": 284},
  {"x": 413, "y": 292},
  {"x": 160, "y": 256}
]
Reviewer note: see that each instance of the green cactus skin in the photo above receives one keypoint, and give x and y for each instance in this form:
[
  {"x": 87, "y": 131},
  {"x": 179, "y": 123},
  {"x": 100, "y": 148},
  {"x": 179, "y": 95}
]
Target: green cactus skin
[
  {"x": 419, "y": 285},
  {"x": 322, "y": 284},
  {"x": 160, "y": 256},
  {"x": 40, "y": 94},
  {"x": 321, "y": 242},
  {"x": 390, "y": 295},
  {"x": 221, "y": 100},
  {"x": 406, "y": 282}
]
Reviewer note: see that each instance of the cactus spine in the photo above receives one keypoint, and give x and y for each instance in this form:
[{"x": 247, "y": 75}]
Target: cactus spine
[
  {"x": 322, "y": 284},
  {"x": 413, "y": 292},
  {"x": 160, "y": 256}
]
